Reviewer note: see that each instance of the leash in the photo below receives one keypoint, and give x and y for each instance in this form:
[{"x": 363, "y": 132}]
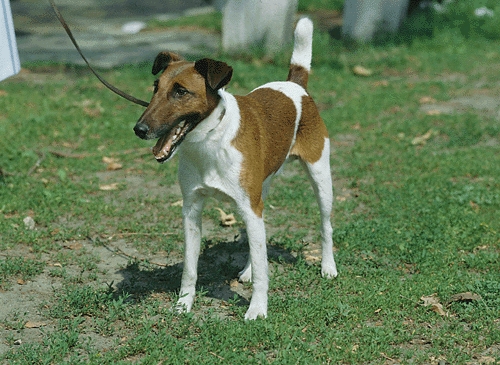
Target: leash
[{"x": 105, "y": 83}]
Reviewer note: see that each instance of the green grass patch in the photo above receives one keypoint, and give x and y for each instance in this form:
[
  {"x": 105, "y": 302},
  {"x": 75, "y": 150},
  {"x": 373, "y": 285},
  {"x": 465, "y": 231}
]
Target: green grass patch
[
  {"x": 415, "y": 157},
  {"x": 20, "y": 268}
]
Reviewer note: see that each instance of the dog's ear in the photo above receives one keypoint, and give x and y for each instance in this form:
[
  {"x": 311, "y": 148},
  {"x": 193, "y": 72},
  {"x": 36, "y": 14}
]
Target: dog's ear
[
  {"x": 216, "y": 73},
  {"x": 163, "y": 59}
]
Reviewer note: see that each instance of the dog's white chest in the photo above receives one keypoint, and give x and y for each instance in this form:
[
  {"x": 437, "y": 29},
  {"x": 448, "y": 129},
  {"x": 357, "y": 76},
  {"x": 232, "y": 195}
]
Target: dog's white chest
[{"x": 208, "y": 163}]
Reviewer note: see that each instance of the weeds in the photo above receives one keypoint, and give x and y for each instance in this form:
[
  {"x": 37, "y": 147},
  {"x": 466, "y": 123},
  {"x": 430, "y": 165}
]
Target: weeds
[{"x": 415, "y": 165}]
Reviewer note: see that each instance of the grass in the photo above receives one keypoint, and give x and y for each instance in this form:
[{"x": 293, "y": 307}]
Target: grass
[{"x": 412, "y": 220}]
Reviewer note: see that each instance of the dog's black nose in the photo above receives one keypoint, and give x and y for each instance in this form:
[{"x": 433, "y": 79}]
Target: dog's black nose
[{"x": 141, "y": 130}]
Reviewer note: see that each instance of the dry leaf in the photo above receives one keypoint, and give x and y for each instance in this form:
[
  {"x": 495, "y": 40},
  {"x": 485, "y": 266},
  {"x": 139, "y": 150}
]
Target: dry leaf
[
  {"x": 226, "y": 220},
  {"x": 465, "y": 297},
  {"x": 31, "y": 324},
  {"x": 438, "y": 308},
  {"x": 433, "y": 112},
  {"x": 112, "y": 163},
  {"x": 109, "y": 187},
  {"x": 429, "y": 300},
  {"x": 361, "y": 71},
  {"x": 421, "y": 140},
  {"x": 380, "y": 83},
  {"x": 234, "y": 283},
  {"x": 73, "y": 246},
  {"x": 114, "y": 166},
  {"x": 108, "y": 160},
  {"x": 177, "y": 204},
  {"x": 20, "y": 282},
  {"x": 432, "y": 301},
  {"x": 427, "y": 100}
]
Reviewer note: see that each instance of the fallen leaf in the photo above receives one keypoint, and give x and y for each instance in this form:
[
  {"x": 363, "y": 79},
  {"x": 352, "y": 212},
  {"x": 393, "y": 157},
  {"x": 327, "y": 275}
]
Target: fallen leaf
[
  {"x": 20, "y": 282},
  {"x": 433, "y": 112},
  {"x": 31, "y": 324},
  {"x": 226, "y": 220},
  {"x": 432, "y": 301},
  {"x": 112, "y": 163},
  {"x": 234, "y": 283},
  {"x": 429, "y": 300},
  {"x": 380, "y": 83},
  {"x": 107, "y": 160},
  {"x": 361, "y": 71},
  {"x": 421, "y": 140},
  {"x": 427, "y": 100},
  {"x": 108, "y": 187},
  {"x": 177, "y": 204},
  {"x": 73, "y": 246},
  {"x": 114, "y": 166},
  {"x": 438, "y": 308},
  {"x": 465, "y": 297}
]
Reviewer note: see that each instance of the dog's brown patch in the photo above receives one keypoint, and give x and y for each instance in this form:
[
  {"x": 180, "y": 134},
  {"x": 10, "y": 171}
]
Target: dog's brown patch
[
  {"x": 267, "y": 124},
  {"x": 311, "y": 133}
]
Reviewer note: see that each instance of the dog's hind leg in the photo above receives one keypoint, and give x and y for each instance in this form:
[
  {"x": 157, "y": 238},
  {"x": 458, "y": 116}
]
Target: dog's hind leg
[
  {"x": 321, "y": 180},
  {"x": 191, "y": 211},
  {"x": 245, "y": 275}
]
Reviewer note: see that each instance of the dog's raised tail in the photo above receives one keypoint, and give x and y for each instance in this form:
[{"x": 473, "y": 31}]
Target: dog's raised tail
[{"x": 300, "y": 64}]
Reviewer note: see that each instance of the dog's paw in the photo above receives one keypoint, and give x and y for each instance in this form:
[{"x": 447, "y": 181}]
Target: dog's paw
[
  {"x": 183, "y": 305},
  {"x": 329, "y": 272},
  {"x": 255, "y": 312}
]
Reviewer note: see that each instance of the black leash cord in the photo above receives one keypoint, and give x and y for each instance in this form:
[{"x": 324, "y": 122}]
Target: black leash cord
[{"x": 105, "y": 83}]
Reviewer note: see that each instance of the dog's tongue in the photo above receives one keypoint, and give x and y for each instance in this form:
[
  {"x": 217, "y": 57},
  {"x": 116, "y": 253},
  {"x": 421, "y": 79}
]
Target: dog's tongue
[{"x": 161, "y": 150}]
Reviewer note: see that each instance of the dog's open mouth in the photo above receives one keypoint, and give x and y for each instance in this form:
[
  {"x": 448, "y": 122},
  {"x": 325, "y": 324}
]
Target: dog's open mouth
[{"x": 168, "y": 143}]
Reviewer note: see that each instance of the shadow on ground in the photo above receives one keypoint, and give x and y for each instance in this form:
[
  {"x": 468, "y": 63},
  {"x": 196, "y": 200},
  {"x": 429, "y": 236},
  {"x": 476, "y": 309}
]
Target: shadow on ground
[{"x": 218, "y": 268}]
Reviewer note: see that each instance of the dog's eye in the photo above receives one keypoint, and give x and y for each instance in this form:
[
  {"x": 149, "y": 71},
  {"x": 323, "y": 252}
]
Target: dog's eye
[{"x": 179, "y": 91}]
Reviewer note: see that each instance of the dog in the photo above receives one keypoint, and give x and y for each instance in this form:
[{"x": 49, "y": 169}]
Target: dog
[{"x": 231, "y": 147}]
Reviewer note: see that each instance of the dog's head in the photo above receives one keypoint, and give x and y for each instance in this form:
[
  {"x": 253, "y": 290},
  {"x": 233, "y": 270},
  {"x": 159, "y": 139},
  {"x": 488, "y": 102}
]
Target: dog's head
[{"x": 184, "y": 95}]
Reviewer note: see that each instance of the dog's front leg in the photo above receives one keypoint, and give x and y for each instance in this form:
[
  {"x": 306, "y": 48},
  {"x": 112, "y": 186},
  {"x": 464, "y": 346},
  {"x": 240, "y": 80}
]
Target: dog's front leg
[
  {"x": 191, "y": 211},
  {"x": 258, "y": 260}
]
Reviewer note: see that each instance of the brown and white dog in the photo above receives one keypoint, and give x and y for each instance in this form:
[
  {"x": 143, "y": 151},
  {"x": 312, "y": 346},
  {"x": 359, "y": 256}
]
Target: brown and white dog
[{"x": 232, "y": 146}]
